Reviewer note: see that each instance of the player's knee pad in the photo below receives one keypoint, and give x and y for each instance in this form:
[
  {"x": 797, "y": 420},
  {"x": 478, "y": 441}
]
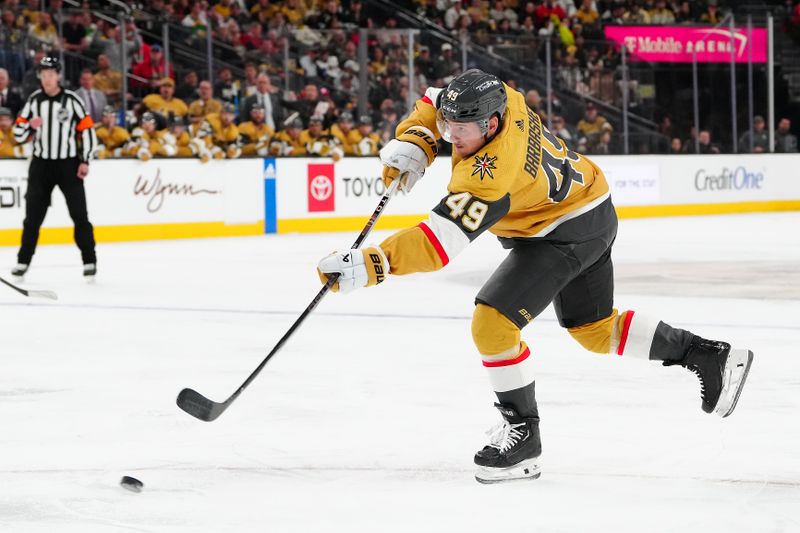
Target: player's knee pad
[
  {"x": 493, "y": 332},
  {"x": 596, "y": 336}
]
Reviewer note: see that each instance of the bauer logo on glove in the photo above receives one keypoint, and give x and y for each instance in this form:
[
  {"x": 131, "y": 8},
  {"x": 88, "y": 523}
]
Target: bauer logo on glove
[{"x": 356, "y": 268}]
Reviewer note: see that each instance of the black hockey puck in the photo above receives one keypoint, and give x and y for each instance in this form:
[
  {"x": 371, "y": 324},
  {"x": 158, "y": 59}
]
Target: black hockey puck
[{"x": 131, "y": 483}]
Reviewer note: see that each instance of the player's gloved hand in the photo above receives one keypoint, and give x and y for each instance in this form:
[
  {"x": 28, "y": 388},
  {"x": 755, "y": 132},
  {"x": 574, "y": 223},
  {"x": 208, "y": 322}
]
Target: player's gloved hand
[
  {"x": 408, "y": 156},
  {"x": 363, "y": 267}
]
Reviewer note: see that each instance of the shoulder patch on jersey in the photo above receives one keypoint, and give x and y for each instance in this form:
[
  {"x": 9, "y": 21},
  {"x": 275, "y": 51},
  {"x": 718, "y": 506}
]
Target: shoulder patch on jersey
[{"x": 484, "y": 165}]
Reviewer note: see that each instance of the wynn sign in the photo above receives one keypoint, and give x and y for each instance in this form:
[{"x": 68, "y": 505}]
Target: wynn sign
[{"x": 678, "y": 44}]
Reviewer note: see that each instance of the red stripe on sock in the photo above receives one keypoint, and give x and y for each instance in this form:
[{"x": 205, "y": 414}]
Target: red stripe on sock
[
  {"x": 624, "y": 336},
  {"x": 508, "y": 362},
  {"x": 435, "y": 242}
]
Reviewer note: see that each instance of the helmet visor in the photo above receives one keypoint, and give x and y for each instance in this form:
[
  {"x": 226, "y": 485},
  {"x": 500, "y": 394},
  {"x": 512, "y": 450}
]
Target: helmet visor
[{"x": 461, "y": 132}]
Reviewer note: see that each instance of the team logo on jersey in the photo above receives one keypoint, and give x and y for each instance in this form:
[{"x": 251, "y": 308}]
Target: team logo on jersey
[
  {"x": 484, "y": 164},
  {"x": 520, "y": 124},
  {"x": 62, "y": 115}
]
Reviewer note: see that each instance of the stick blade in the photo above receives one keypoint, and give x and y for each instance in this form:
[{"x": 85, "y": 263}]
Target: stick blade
[
  {"x": 48, "y": 295},
  {"x": 199, "y": 406}
]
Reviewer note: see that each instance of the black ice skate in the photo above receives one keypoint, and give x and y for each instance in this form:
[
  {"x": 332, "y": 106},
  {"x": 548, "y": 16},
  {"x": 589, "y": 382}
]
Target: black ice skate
[
  {"x": 722, "y": 372},
  {"x": 513, "y": 451},
  {"x": 18, "y": 272},
  {"x": 89, "y": 272}
]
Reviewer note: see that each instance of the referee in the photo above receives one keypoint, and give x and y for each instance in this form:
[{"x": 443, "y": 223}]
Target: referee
[{"x": 63, "y": 141}]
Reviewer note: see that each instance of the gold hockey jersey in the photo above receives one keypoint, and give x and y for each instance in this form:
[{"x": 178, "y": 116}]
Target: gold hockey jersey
[
  {"x": 255, "y": 138},
  {"x": 9, "y": 148},
  {"x": 283, "y": 144},
  {"x": 348, "y": 141},
  {"x": 523, "y": 184},
  {"x": 113, "y": 140},
  {"x": 155, "y": 103}
]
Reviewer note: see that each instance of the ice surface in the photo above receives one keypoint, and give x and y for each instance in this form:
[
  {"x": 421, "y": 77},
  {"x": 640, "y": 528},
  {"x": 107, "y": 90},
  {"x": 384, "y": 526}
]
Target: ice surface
[{"x": 367, "y": 420}]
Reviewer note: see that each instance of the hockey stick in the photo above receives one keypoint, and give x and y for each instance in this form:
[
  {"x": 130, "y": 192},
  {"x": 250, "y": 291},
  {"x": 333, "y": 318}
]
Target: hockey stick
[
  {"x": 50, "y": 295},
  {"x": 207, "y": 410}
]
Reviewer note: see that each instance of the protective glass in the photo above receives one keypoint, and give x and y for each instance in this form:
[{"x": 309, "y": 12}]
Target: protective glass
[{"x": 452, "y": 131}]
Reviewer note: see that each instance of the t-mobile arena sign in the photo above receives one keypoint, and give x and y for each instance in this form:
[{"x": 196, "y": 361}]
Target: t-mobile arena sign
[{"x": 676, "y": 44}]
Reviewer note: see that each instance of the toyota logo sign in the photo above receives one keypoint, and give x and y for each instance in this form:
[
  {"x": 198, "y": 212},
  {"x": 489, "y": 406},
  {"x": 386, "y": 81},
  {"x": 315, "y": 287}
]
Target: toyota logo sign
[{"x": 320, "y": 188}]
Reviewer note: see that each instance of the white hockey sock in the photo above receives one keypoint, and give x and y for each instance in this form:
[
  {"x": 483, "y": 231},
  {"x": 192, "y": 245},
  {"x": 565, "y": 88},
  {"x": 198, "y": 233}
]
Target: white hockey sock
[{"x": 635, "y": 337}]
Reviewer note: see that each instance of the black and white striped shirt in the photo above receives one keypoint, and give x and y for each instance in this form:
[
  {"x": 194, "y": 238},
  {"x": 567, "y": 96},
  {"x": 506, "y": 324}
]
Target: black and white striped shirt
[{"x": 67, "y": 130}]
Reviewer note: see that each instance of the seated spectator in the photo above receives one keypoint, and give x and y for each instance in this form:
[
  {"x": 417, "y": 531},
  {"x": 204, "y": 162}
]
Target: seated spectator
[
  {"x": 592, "y": 126},
  {"x": 370, "y": 142},
  {"x": 636, "y": 15},
  {"x": 704, "y": 143},
  {"x": 14, "y": 49},
  {"x": 587, "y": 15},
  {"x": 94, "y": 100},
  {"x": 500, "y": 12},
  {"x": 676, "y": 146},
  {"x": 113, "y": 139},
  {"x": 615, "y": 14},
  {"x": 9, "y": 98},
  {"x": 785, "y": 142},
  {"x": 712, "y": 14},
  {"x": 255, "y": 135},
  {"x": 9, "y": 148},
  {"x": 545, "y": 11},
  {"x": 534, "y": 103},
  {"x": 224, "y": 88},
  {"x": 206, "y": 104},
  {"x": 287, "y": 142},
  {"x": 153, "y": 70},
  {"x": 267, "y": 97},
  {"x": 294, "y": 11},
  {"x": 189, "y": 89},
  {"x": 758, "y": 136},
  {"x": 44, "y": 33},
  {"x": 196, "y": 22},
  {"x": 685, "y": 13},
  {"x": 165, "y": 103},
  {"x": 453, "y": 15},
  {"x": 561, "y": 131},
  {"x": 662, "y": 14},
  {"x": 107, "y": 80}
]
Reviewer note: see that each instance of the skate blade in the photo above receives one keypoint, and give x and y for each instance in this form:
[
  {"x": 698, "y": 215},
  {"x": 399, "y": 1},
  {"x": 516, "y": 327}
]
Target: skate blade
[
  {"x": 736, "y": 369},
  {"x": 527, "y": 469}
]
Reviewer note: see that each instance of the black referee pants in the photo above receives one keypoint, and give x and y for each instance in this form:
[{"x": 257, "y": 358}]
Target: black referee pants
[{"x": 43, "y": 176}]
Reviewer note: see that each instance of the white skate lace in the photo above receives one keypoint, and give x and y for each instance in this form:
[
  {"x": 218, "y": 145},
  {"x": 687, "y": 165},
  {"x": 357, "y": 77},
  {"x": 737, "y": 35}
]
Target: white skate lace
[{"x": 503, "y": 436}]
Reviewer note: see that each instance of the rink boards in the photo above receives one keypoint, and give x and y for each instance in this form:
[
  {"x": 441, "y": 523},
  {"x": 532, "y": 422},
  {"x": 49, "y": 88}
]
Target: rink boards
[{"x": 183, "y": 198}]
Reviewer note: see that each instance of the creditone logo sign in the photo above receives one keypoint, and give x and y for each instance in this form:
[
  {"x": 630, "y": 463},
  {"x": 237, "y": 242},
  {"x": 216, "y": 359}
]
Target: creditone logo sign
[
  {"x": 736, "y": 179},
  {"x": 321, "y": 188}
]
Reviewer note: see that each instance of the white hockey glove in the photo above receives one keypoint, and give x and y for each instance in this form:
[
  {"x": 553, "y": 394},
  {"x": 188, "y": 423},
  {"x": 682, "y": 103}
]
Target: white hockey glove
[
  {"x": 408, "y": 155},
  {"x": 358, "y": 268}
]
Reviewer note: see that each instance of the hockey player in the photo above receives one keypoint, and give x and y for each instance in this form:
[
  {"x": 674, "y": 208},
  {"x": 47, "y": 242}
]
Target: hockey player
[
  {"x": 113, "y": 138},
  {"x": 147, "y": 141},
  {"x": 287, "y": 142},
  {"x": 344, "y": 134},
  {"x": 317, "y": 140},
  {"x": 254, "y": 135},
  {"x": 180, "y": 138},
  {"x": 369, "y": 141},
  {"x": 552, "y": 209},
  {"x": 9, "y": 147},
  {"x": 222, "y": 133}
]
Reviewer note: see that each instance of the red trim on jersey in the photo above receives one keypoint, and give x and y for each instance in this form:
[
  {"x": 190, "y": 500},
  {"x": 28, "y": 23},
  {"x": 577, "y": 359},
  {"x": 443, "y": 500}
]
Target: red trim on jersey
[
  {"x": 435, "y": 242},
  {"x": 624, "y": 336},
  {"x": 21, "y": 120},
  {"x": 508, "y": 362},
  {"x": 426, "y": 100}
]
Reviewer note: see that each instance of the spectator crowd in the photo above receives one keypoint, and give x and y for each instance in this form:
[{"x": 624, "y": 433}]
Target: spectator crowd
[{"x": 259, "y": 103}]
